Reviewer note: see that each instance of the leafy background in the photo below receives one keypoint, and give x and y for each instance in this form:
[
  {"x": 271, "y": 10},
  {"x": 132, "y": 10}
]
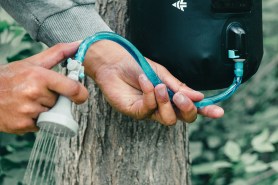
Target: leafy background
[{"x": 239, "y": 149}]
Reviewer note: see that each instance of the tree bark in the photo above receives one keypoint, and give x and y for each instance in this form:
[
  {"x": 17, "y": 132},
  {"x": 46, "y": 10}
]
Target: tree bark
[{"x": 113, "y": 149}]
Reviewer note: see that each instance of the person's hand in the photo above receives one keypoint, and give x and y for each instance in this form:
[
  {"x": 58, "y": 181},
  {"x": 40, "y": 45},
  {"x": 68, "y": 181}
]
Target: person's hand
[
  {"x": 28, "y": 88},
  {"x": 129, "y": 91}
]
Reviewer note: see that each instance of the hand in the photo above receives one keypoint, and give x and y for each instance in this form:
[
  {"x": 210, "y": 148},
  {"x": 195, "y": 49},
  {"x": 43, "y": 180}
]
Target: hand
[
  {"x": 128, "y": 90},
  {"x": 29, "y": 87}
]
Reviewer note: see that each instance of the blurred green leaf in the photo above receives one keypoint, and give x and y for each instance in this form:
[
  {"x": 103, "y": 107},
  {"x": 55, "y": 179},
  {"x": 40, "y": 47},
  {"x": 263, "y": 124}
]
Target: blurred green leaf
[
  {"x": 261, "y": 143},
  {"x": 1, "y": 169},
  {"x": 3, "y": 25},
  {"x": 221, "y": 164},
  {"x": 249, "y": 159},
  {"x": 6, "y": 139},
  {"x": 10, "y": 181},
  {"x": 274, "y": 137},
  {"x": 10, "y": 148},
  {"x": 205, "y": 168},
  {"x": 274, "y": 165},
  {"x": 8, "y": 165},
  {"x": 275, "y": 182},
  {"x": 210, "y": 168},
  {"x": 16, "y": 173},
  {"x": 19, "y": 156},
  {"x": 259, "y": 166},
  {"x": 214, "y": 141},
  {"x": 239, "y": 182},
  {"x": 261, "y": 138},
  {"x": 12, "y": 140},
  {"x": 11, "y": 44},
  {"x": 264, "y": 147},
  {"x": 232, "y": 150},
  {"x": 195, "y": 149}
]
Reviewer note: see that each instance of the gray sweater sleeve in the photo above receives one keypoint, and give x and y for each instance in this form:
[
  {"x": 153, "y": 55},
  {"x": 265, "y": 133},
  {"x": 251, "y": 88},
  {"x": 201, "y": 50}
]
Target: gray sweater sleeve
[{"x": 54, "y": 21}]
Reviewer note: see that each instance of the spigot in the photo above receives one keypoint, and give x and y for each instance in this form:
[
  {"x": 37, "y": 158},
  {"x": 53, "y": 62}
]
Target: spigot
[{"x": 236, "y": 41}]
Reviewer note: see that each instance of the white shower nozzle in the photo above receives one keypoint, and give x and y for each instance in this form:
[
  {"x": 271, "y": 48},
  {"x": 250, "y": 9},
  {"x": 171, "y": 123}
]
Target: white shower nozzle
[
  {"x": 64, "y": 127},
  {"x": 59, "y": 120}
]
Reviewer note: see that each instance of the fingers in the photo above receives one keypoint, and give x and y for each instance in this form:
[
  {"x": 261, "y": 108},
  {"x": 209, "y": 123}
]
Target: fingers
[
  {"x": 178, "y": 86},
  {"x": 31, "y": 110},
  {"x": 25, "y": 126},
  {"x": 212, "y": 111},
  {"x": 149, "y": 102},
  {"x": 54, "y": 55},
  {"x": 65, "y": 86},
  {"x": 165, "y": 113},
  {"x": 174, "y": 84},
  {"x": 26, "y": 121},
  {"x": 48, "y": 98},
  {"x": 186, "y": 109}
]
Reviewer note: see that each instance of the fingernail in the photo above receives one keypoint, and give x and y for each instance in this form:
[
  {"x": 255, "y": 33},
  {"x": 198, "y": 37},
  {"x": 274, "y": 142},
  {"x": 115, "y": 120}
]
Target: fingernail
[
  {"x": 143, "y": 79},
  {"x": 218, "y": 111},
  {"x": 179, "y": 98},
  {"x": 196, "y": 93},
  {"x": 162, "y": 91}
]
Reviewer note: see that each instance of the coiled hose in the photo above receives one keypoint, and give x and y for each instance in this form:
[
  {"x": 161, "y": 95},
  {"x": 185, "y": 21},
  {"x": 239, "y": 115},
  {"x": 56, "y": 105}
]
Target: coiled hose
[{"x": 152, "y": 76}]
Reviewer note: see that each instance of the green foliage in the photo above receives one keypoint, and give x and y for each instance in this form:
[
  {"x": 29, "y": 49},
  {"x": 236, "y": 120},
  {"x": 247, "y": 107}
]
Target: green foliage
[
  {"x": 15, "y": 150},
  {"x": 15, "y": 44},
  {"x": 232, "y": 151},
  {"x": 14, "y": 156},
  {"x": 245, "y": 141}
]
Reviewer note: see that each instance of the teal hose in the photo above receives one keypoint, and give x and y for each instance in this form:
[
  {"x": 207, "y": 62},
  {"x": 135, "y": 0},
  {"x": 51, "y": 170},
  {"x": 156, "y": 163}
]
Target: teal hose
[{"x": 152, "y": 76}]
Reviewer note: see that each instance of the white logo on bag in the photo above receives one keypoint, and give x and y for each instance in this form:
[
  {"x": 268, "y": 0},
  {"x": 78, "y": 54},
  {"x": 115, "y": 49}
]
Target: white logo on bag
[{"x": 180, "y": 5}]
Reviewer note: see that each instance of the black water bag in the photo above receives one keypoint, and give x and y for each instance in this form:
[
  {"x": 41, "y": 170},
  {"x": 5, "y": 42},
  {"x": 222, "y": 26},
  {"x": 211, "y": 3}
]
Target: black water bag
[{"x": 191, "y": 38}]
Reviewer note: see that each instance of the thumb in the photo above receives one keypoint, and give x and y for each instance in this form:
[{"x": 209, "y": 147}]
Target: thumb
[{"x": 54, "y": 55}]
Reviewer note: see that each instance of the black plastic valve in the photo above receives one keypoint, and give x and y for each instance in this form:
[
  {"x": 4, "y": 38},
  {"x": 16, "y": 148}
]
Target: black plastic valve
[{"x": 236, "y": 39}]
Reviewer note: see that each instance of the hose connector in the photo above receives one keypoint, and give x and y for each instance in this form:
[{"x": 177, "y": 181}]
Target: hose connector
[
  {"x": 239, "y": 63},
  {"x": 239, "y": 67},
  {"x": 76, "y": 70}
]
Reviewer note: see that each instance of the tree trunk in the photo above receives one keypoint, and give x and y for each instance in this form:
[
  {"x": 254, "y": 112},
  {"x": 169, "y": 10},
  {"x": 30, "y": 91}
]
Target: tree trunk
[{"x": 113, "y": 149}]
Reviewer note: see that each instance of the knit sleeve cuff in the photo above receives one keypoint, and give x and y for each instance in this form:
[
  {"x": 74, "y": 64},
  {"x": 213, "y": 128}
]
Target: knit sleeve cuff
[{"x": 71, "y": 25}]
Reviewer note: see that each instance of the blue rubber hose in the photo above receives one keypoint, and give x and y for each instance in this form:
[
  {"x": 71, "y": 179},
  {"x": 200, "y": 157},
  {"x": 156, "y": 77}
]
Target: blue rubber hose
[{"x": 152, "y": 76}]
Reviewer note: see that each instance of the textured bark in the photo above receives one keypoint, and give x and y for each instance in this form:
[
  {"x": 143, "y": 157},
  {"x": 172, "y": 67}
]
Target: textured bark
[
  {"x": 114, "y": 13},
  {"x": 113, "y": 149}
]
